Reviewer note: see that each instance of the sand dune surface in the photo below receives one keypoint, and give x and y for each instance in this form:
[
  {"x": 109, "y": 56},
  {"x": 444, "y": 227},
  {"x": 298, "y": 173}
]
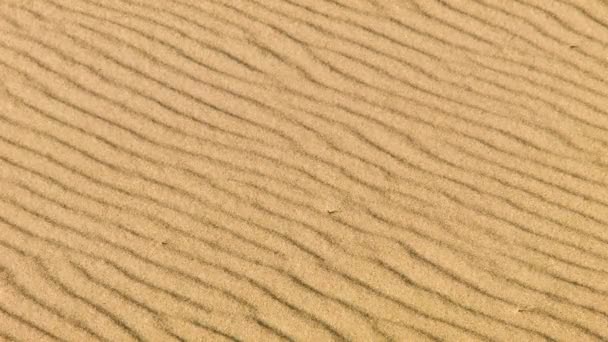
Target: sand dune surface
[{"x": 304, "y": 170}]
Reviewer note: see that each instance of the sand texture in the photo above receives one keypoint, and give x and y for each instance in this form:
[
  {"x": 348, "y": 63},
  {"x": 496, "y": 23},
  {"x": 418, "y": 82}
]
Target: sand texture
[{"x": 304, "y": 170}]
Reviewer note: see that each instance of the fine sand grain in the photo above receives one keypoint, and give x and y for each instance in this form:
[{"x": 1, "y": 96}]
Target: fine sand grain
[{"x": 304, "y": 170}]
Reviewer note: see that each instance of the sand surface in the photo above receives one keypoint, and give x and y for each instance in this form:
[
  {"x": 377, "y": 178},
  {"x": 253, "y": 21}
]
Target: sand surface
[{"x": 304, "y": 170}]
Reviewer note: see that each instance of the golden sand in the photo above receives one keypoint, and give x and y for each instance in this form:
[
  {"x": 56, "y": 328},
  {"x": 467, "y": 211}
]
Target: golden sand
[{"x": 304, "y": 170}]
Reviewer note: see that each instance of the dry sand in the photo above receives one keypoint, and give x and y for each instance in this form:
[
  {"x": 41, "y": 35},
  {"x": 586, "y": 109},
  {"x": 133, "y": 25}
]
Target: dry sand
[{"x": 304, "y": 170}]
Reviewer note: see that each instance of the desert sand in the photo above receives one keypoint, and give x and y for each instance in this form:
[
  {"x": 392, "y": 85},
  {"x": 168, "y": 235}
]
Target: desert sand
[{"x": 304, "y": 170}]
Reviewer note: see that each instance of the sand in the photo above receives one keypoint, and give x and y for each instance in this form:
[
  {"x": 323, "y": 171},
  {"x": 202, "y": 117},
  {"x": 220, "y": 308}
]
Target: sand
[{"x": 303, "y": 170}]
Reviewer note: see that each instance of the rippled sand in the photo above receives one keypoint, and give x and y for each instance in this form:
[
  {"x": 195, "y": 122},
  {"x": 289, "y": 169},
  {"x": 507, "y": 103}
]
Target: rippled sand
[{"x": 304, "y": 170}]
